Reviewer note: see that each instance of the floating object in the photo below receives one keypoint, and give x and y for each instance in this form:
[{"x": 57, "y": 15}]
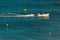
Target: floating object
[
  {"x": 46, "y": 16},
  {"x": 43, "y": 15},
  {"x": 25, "y": 10},
  {"x": 49, "y": 33},
  {"x": 7, "y": 24}
]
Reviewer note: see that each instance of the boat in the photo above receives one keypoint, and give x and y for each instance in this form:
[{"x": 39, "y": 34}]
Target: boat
[
  {"x": 43, "y": 15},
  {"x": 25, "y": 15}
]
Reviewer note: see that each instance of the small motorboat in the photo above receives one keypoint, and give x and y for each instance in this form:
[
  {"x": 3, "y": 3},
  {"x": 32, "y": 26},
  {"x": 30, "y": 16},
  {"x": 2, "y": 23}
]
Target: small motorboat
[
  {"x": 43, "y": 15},
  {"x": 25, "y": 15}
]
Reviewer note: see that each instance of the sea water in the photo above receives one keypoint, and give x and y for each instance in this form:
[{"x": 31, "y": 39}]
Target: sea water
[{"x": 30, "y": 28}]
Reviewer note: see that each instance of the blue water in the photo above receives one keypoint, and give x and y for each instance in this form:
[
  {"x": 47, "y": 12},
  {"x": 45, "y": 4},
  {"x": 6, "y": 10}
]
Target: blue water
[{"x": 30, "y": 28}]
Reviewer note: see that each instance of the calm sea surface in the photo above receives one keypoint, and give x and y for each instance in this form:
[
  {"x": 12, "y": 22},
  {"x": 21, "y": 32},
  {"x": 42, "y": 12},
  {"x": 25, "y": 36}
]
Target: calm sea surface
[{"x": 30, "y": 28}]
